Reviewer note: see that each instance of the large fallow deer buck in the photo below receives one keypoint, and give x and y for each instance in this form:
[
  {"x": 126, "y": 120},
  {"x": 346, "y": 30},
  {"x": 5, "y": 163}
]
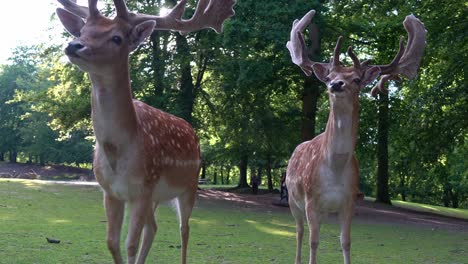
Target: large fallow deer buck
[
  {"x": 143, "y": 156},
  {"x": 322, "y": 174}
]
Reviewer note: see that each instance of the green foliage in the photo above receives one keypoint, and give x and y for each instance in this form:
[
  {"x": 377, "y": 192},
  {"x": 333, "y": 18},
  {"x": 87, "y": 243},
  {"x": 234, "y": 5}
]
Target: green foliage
[
  {"x": 246, "y": 93},
  {"x": 42, "y": 118}
]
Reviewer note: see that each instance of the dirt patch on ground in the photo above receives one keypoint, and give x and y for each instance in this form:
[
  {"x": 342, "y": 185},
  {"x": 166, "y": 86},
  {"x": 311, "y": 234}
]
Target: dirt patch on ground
[
  {"x": 366, "y": 212},
  {"x": 48, "y": 172}
]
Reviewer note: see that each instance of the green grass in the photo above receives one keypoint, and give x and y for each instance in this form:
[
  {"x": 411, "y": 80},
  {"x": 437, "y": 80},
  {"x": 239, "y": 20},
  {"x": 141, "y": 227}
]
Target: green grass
[
  {"x": 452, "y": 212},
  {"x": 440, "y": 210},
  {"x": 31, "y": 211}
]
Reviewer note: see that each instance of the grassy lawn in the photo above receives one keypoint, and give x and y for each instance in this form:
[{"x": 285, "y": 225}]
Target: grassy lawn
[
  {"x": 30, "y": 211},
  {"x": 426, "y": 208}
]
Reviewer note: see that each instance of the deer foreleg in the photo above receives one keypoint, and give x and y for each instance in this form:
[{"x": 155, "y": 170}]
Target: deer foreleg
[
  {"x": 149, "y": 231},
  {"x": 313, "y": 220},
  {"x": 114, "y": 212},
  {"x": 345, "y": 223},
  {"x": 140, "y": 208}
]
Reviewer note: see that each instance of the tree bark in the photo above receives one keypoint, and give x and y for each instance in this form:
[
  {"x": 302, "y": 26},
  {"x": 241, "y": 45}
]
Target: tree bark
[
  {"x": 311, "y": 88},
  {"x": 13, "y": 156},
  {"x": 222, "y": 175},
  {"x": 187, "y": 98},
  {"x": 243, "y": 172},
  {"x": 203, "y": 172},
  {"x": 268, "y": 173},
  {"x": 403, "y": 187},
  {"x": 383, "y": 195},
  {"x": 215, "y": 176},
  {"x": 228, "y": 174}
]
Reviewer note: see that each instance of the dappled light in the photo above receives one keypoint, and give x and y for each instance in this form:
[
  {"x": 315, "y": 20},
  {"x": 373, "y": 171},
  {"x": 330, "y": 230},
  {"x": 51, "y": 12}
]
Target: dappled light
[
  {"x": 60, "y": 221},
  {"x": 273, "y": 230}
]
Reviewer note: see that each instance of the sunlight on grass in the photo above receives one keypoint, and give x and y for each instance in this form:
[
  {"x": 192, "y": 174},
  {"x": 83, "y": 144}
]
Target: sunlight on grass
[
  {"x": 452, "y": 212},
  {"x": 270, "y": 230},
  {"x": 32, "y": 184},
  {"x": 199, "y": 221},
  {"x": 59, "y": 221}
]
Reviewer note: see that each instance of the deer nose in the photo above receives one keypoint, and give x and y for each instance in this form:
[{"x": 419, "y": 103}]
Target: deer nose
[
  {"x": 72, "y": 48},
  {"x": 337, "y": 86}
]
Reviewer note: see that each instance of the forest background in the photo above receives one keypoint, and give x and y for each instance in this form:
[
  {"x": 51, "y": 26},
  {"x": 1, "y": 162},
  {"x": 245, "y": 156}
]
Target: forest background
[{"x": 251, "y": 106}]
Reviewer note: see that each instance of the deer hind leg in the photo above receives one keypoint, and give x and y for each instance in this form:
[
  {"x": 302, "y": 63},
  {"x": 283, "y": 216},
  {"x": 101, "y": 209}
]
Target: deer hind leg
[
  {"x": 139, "y": 210},
  {"x": 185, "y": 204},
  {"x": 313, "y": 221},
  {"x": 299, "y": 218},
  {"x": 149, "y": 231},
  {"x": 114, "y": 212},
  {"x": 345, "y": 237}
]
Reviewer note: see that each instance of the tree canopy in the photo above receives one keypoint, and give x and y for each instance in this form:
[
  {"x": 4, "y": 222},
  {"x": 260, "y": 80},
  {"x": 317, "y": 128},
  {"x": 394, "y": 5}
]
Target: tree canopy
[{"x": 248, "y": 102}]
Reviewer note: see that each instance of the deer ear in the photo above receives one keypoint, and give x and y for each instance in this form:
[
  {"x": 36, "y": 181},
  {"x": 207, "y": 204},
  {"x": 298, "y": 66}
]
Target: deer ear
[
  {"x": 321, "y": 72},
  {"x": 370, "y": 75},
  {"x": 71, "y": 22},
  {"x": 140, "y": 32}
]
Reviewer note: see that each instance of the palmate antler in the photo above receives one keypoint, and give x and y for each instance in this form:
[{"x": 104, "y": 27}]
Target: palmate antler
[
  {"x": 407, "y": 60},
  {"x": 208, "y": 14},
  {"x": 298, "y": 49},
  {"x": 405, "y": 63}
]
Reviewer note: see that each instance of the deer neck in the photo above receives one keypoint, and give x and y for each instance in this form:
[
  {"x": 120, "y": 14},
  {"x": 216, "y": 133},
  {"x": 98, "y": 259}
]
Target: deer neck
[
  {"x": 113, "y": 113},
  {"x": 341, "y": 130}
]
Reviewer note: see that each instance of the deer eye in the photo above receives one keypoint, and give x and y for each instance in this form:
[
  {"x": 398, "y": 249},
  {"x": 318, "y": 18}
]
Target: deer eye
[
  {"x": 357, "y": 80},
  {"x": 117, "y": 40}
]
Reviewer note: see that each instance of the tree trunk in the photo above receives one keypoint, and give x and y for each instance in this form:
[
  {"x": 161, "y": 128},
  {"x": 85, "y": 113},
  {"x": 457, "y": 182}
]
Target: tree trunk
[
  {"x": 203, "y": 172},
  {"x": 383, "y": 195},
  {"x": 243, "y": 172},
  {"x": 42, "y": 160},
  {"x": 402, "y": 187},
  {"x": 268, "y": 173},
  {"x": 222, "y": 175},
  {"x": 228, "y": 174},
  {"x": 13, "y": 156},
  {"x": 158, "y": 71},
  {"x": 311, "y": 88},
  {"x": 215, "y": 176},
  {"x": 2, "y": 157},
  {"x": 187, "y": 98},
  {"x": 454, "y": 198}
]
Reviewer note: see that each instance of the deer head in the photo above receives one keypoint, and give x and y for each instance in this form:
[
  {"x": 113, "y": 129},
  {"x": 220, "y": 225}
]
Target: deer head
[
  {"x": 341, "y": 80},
  {"x": 100, "y": 41}
]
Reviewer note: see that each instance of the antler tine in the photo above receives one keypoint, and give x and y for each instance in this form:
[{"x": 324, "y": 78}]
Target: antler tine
[
  {"x": 409, "y": 62},
  {"x": 336, "y": 53},
  {"x": 121, "y": 9},
  {"x": 208, "y": 14},
  {"x": 75, "y": 9},
  {"x": 356, "y": 63},
  {"x": 296, "y": 45},
  {"x": 389, "y": 68},
  {"x": 408, "y": 59},
  {"x": 93, "y": 10}
]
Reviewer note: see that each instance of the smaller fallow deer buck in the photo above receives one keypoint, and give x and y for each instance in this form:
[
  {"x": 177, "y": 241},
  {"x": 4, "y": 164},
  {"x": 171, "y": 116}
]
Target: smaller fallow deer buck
[
  {"x": 322, "y": 174},
  {"x": 143, "y": 156}
]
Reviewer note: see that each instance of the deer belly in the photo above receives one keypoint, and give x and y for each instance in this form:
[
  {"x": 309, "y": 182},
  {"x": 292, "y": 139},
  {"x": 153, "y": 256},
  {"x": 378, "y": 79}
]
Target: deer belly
[
  {"x": 164, "y": 192},
  {"x": 332, "y": 198}
]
